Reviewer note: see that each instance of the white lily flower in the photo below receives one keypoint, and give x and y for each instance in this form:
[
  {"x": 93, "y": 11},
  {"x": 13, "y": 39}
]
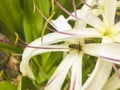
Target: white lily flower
[
  {"x": 73, "y": 60},
  {"x": 109, "y": 33},
  {"x": 102, "y": 70},
  {"x": 55, "y": 37},
  {"x": 108, "y": 30},
  {"x": 49, "y": 39}
]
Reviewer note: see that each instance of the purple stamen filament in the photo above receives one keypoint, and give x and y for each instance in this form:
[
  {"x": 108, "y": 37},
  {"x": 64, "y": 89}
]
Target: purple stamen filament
[
  {"x": 65, "y": 10},
  {"x": 25, "y": 45},
  {"x": 116, "y": 70},
  {"x": 74, "y": 7},
  {"x": 53, "y": 30}
]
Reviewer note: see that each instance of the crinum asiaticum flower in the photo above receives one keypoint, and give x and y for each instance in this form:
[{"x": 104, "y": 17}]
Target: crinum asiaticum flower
[
  {"x": 106, "y": 38},
  {"x": 109, "y": 31},
  {"x": 73, "y": 60}
]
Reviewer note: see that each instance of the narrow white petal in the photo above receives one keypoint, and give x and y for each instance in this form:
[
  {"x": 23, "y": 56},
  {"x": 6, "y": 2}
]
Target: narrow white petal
[
  {"x": 24, "y": 65},
  {"x": 96, "y": 12},
  {"x": 61, "y": 24},
  {"x": 99, "y": 76},
  {"x": 94, "y": 21},
  {"x": 50, "y": 39},
  {"x": 57, "y": 37},
  {"x": 113, "y": 83},
  {"x": 108, "y": 51},
  {"x": 116, "y": 28},
  {"x": 86, "y": 8},
  {"x": 117, "y": 38},
  {"x": 89, "y": 18},
  {"x": 109, "y": 9},
  {"x": 106, "y": 39},
  {"x": 73, "y": 18},
  {"x": 82, "y": 13},
  {"x": 76, "y": 74},
  {"x": 57, "y": 79}
]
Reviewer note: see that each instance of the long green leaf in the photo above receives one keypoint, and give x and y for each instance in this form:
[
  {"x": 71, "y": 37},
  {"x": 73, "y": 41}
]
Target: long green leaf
[
  {"x": 11, "y": 17},
  {"x": 33, "y": 22},
  {"x": 5, "y": 85}
]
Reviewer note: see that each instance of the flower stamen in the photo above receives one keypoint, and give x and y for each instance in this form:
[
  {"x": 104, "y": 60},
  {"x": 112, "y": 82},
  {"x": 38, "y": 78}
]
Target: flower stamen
[
  {"x": 116, "y": 70},
  {"x": 65, "y": 10},
  {"x": 74, "y": 7},
  {"x": 53, "y": 30},
  {"x": 84, "y": 2}
]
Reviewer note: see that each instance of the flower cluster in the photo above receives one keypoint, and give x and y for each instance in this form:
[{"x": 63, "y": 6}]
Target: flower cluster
[{"x": 90, "y": 23}]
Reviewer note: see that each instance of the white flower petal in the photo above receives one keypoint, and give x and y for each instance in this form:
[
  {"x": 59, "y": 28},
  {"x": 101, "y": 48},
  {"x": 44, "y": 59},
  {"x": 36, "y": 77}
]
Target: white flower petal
[
  {"x": 85, "y": 9},
  {"x": 61, "y": 24},
  {"x": 94, "y": 21},
  {"x": 50, "y": 39},
  {"x": 24, "y": 65},
  {"x": 99, "y": 76},
  {"x": 73, "y": 18},
  {"x": 106, "y": 39},
  {"x": 117, "y": 38},
  {"x": 109, "y": 9},
  {"x": 96, "y": 12},
  {"x": 108, "y": 51},
  {"x": 57, "y": 37},
  {"x": 76, "y": 74},
  {"x": 82, "y": 13},
  {"x": 113, "y": 83},
  {"x": 57, "y": 79},
  {"x": 116, "y": 28}
]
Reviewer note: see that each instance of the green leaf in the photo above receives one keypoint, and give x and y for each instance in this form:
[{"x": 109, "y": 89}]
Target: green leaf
[
  {"x": 33, "y": 22},
  {"x": 10, "y": 48},
  {"x": 45, "y": 66},
  {"x": 11, "y": 18},
  {"x": 26, "y": 84},
  {"x": 38, "y": 71},
  {"x": 87, "y": 66},
  {"x": 52, "y": 62},
  {"x": 5, "y": 85}
]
